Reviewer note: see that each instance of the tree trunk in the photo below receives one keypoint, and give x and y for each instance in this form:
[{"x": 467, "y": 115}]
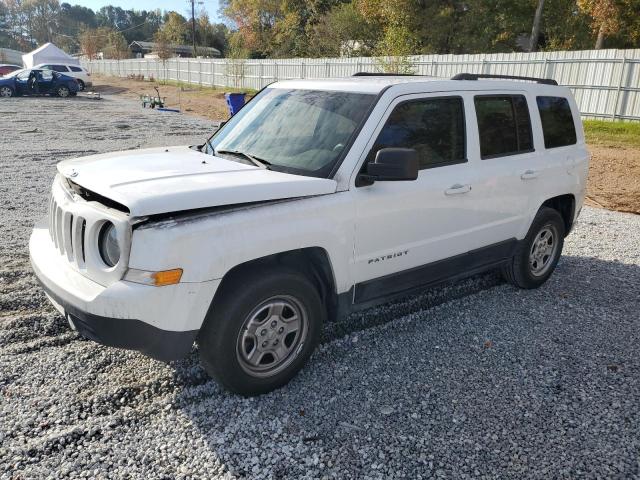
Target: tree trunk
[
  {"x": 600, "y": 39},
  {"x": 535, "y": 31}
]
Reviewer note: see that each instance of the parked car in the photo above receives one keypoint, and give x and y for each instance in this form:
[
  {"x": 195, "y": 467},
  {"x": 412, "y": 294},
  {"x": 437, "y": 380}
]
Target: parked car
[
  {"x": 81, "y": 74},
  {"x": 37, "y": 82},
  {"x": 6, "y": 68},
  {"x": 317, "y": 199}
]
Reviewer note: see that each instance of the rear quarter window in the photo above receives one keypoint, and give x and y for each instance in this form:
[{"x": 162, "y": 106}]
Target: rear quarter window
[
  {"x": 504, "y": 125},
  {"x": 558, "y": 127},
  {"x": 75, "y": 69},
  {"x": 58, "y": 68}
]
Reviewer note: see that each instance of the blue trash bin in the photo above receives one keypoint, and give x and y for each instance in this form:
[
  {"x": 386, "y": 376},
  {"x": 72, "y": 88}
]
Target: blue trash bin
[{"x": 235, "y": 101}]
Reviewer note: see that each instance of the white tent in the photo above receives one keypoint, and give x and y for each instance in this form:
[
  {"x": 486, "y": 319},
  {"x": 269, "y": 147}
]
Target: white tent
[{"x": 47, "y": 53}]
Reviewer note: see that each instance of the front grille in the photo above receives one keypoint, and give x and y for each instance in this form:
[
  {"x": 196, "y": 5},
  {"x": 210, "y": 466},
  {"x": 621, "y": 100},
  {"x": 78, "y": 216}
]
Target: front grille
[
  {"x": 74, "y": 226},
  {"x": 67, "y": 232}
]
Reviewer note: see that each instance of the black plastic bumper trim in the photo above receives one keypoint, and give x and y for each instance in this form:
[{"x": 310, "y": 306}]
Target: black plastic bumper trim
[{"x": 131, "y": 334}]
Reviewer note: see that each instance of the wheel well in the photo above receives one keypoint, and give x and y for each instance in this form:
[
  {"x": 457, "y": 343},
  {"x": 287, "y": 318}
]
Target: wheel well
[
  {"x": 565, "y": 205},
  {"x": 312, "y": 261}
]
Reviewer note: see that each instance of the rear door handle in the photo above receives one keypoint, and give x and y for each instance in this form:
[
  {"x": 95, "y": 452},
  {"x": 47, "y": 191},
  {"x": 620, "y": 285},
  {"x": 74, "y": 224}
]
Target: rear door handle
[
  {"x": 457, "y": 189},
  {"x": 529, "y": 175}
]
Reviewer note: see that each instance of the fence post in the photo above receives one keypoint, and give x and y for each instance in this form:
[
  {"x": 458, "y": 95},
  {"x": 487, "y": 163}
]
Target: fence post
[
  {"x": 213, "y": 73},
  {"x": 188, "y": 71},
  {"x": 275, "y": 70},
  {"x": 617, "y": 96},
  {"x": 261, "y": 75},
  {"x": 327, "y": 69}
]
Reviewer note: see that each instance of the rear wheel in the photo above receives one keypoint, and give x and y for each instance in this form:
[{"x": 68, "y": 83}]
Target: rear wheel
[
  {"x": 537, "y": 255},
  {"x": 261, "y": 330},
  {"x": 6, "y": 91},
  {"x": 63, "y": 91}
]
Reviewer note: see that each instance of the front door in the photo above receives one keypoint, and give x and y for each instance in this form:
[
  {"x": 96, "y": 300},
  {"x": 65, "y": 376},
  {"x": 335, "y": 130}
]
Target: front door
[{"x": 401, "y": 226}]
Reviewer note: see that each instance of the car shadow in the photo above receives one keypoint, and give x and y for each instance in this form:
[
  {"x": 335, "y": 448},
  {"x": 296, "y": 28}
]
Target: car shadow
[{"x": 441, "y": 384}]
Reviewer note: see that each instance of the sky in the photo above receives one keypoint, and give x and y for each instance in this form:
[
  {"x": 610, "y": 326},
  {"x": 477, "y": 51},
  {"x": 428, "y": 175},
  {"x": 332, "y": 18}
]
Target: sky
[{"x": 183, "y": 7}]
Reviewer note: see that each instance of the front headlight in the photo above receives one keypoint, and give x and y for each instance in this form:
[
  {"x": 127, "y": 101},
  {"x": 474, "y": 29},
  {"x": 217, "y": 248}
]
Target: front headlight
[{"x": 108, "y": 245}]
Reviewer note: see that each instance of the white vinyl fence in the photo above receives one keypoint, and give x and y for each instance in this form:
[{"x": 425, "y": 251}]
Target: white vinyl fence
[{"x": 605, "y": 83}]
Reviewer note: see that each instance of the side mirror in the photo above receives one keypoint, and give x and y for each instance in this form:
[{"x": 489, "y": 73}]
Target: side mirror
[
  {"x": 391, "y": 164},
  {"x": 218, "y": 125}
]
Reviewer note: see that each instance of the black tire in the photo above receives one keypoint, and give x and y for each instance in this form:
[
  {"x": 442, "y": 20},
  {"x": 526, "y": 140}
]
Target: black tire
[
  {"x": 224, "y": 338},
  {"x": 519, "y": 270},
  {"x": 81, "y": 86}
]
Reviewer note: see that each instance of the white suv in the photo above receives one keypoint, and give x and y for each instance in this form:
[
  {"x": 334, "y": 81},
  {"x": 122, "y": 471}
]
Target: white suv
[
  {"x": 81, "y": 74},
  {"x": 319, "y": 198}
]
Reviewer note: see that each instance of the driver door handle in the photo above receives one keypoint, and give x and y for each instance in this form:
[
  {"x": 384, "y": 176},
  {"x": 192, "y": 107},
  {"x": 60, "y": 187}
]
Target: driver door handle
[
  {"x": 529, "y": 175},
  {"x": 457, "y": 189}
]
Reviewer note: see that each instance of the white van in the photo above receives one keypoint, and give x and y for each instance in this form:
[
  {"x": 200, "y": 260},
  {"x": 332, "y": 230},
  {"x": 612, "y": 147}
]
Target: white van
[{"x": 317, "y": 199}]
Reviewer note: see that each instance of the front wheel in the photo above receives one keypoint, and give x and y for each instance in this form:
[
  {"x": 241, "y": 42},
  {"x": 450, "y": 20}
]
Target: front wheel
[
  {"x": 261, "y": 330},
  {"x": 6, "y": 92},
  {"x": 81, "y": 85},
  {"x": 537, "y": 255},
  {"x": 63, "y": 91}
]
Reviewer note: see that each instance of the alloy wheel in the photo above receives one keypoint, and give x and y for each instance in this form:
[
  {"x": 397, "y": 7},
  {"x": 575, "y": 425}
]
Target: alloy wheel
[
  {"x": 271, "y": 336},
  {"x": 543, "y": 250},
  {"x": 6, "y": 92}
]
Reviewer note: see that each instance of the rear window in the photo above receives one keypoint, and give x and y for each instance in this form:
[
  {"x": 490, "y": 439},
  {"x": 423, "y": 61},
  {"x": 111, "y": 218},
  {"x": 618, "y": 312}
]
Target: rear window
[
  {"x": 57, "y": 68},
  {"x": 75, "y": 69},
  {"x": 557, "y": 121},
  {"x": 504, "y": 125}
]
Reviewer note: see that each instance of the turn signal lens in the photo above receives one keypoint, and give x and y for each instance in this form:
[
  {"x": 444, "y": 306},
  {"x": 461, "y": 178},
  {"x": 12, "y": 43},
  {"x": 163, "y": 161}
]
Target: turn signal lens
[
  {"x": 167, "y": 277},
  {"x": 156, "y": 279}
]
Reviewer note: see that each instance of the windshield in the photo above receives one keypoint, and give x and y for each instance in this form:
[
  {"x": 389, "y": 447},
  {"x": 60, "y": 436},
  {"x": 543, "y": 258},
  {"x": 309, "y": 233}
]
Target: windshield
[{"x": 300, "y": 131}]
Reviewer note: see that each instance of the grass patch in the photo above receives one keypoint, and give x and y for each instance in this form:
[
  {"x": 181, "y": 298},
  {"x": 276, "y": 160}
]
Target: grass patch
[
  {"x": 205, "y": 88},
  {"x": 613, "y": 134}
]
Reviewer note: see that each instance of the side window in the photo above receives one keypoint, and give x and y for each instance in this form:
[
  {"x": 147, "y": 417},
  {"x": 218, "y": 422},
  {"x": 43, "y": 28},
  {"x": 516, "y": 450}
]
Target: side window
[
  {"x": 47, "y": 75},
  {"x": 434, "y": 127},
  {"x": 557, "y": 122},
  {"x": 75, "y": 69},
  {"x": 58, "y": 68},
  {"x": 504, "y": 125}
]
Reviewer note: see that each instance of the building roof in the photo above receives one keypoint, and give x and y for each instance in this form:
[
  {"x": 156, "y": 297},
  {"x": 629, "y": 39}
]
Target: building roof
[{"x": 188, "y": 49}]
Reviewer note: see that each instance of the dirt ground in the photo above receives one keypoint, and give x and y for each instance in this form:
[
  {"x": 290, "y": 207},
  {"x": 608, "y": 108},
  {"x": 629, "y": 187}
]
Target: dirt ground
[
  {"x": 614, "y": 175},
  {"x": 614, "y": 178},
  {"x": 200, "y": 101}
]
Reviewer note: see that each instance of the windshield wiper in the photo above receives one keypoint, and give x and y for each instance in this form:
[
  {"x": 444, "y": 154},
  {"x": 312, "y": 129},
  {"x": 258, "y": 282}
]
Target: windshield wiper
[{"x": 258, "y": 162}]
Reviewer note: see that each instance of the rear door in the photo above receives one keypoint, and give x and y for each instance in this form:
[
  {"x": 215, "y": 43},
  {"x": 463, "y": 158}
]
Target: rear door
[
  {"x": 507, "y": 164},
  {"x": 46, "y": 81}
]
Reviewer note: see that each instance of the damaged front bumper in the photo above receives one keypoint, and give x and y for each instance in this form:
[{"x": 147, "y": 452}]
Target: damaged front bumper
[{"x": 161, "y": 322}]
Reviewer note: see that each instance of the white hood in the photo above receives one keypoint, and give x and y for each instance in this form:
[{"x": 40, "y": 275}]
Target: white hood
[{"x": 172, "y": 179}]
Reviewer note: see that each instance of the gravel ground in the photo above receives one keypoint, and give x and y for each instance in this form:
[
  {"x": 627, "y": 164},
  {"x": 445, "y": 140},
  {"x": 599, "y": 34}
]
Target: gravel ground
[{"x": 478, "y": 380}]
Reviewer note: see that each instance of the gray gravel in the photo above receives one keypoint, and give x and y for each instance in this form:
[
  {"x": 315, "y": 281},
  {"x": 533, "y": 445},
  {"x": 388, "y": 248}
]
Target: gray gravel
[{"x": 478, "y": 380}]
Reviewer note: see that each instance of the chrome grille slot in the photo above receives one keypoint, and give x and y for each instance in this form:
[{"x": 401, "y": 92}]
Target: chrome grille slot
[
  {"x": 77, "y": 236},
  {"x": 67, "y": 234},
  {"x": 51, "y": 210},
  {"x": 59, "y": 219}
]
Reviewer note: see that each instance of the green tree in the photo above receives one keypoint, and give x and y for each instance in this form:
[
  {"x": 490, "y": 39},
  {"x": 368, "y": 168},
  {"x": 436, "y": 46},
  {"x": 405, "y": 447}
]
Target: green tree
[{"x": 175, "y": 28}]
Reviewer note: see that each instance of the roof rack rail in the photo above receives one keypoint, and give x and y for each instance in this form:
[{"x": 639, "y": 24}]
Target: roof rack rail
[
  {"x": 476, "y": 76},
  {"x": 375, "y": 74}
]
